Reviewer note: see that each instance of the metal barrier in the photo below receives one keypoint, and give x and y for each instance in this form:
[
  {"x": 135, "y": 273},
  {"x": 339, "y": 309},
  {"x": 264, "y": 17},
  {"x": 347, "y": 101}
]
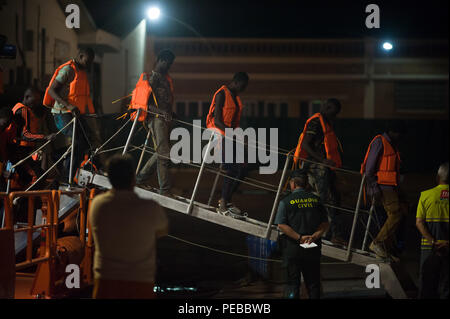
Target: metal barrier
[
  {"x": 44, "y": 279},
  {"x": 7, "y": 260},
  {"x": 43, "y": 283}
]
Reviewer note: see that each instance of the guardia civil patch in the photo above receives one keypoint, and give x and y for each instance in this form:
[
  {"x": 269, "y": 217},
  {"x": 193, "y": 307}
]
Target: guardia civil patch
[{"x": 444, "y": 194}]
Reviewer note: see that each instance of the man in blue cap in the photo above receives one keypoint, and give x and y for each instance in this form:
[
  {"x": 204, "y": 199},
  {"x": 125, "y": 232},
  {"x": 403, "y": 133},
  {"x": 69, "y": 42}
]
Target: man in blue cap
[{"x": 303, "y": 220}]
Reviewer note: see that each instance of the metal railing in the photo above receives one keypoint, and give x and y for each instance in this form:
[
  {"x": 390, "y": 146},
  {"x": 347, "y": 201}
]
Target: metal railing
[
  {"x": 274, "y": 188},
  {"x": 44, "y": 279},
  {"x": 69, "y": 149}
]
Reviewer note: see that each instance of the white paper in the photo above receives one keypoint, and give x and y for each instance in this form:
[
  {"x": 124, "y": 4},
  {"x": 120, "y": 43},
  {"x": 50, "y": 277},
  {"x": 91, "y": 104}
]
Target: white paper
[{"x": 312, "y": 245}]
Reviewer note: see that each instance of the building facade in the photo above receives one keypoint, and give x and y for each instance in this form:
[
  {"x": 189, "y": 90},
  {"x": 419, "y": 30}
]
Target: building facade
[
  {"x": 38, "y": 29},
  {"x": 291, "y": 77}
]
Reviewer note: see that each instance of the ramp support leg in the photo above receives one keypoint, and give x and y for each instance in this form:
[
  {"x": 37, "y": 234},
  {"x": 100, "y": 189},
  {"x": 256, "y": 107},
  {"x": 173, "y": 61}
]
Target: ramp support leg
[
  {"x": 213, "y": 190},
  {"x": 125, "y": 149},
  {"x": 277, "y": 197},
  {"x": 390, "y": 282},
  {"x": 74, "y": 127},
  {"x": 367, "y": 227},
  {"x": 143, "y": 152},
  {"x": 200, "y": 173},
  {"x": 355, "y": 217}
]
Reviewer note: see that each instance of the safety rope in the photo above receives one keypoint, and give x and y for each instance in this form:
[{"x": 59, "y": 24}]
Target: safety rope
[
  {"x": 53, "y": 166},
  {"x": 240, "y": 255},
  {"x": 41, "y": 147},
  {"x": 223, "y": 251},
  {"x": 284, "y": 152},
  {"x": 152, "y": 151}
]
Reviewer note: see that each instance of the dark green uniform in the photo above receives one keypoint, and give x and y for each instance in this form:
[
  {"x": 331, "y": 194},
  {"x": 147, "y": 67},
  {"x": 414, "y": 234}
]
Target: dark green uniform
[{"x": 303, "y": 212}]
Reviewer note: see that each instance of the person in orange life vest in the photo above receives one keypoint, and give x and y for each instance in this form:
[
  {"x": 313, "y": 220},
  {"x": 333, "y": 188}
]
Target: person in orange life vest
[
  {"x": 8, "y": 131},
  {"x": 28, "y": 118},
  {"x": 68, "y": 95},
  {"x": 160, "y": 126},
  {"x": 382, "y": 168},
  {"x": 225, "y": 112},
  {"x": 318, "y": 143}
]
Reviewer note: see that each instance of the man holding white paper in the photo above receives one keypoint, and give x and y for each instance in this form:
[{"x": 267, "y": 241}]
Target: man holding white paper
[{"x": 303, "y": 220}]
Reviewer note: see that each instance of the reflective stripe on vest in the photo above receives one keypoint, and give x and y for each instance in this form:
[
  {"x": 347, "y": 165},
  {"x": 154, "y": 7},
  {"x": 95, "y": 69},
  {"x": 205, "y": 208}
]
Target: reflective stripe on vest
[
  {"x": 31, "y": 122},
  {"x": 141, "y": 94},
  {"x": 79, "y": 93},
  {"x": 228, "y": 111},
  {"x": 330, "y": 142},
  {"x": 388, "y": 166}
]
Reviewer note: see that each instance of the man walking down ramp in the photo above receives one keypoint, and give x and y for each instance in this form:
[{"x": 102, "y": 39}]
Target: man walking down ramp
[
  {"x": 125, "y": 229},
  {"x": 68, "y": 95},
  {"x": 154, "y": 92},
  {"x": 382, "y": 168},
  {"x": 225, "y": 113},
  {"x": 318, "y": 143}
]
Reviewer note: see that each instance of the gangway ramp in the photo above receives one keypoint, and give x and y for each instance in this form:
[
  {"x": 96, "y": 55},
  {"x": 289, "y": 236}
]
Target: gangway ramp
[
  {"x": 249, "y": 225},
  {"x": 199, "y": 210}
]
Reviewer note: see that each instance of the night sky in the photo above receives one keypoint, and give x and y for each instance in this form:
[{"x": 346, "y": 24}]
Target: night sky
[{"x": 276, "y": 19}]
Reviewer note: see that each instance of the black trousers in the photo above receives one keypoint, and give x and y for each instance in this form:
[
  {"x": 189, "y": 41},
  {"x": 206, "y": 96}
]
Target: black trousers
[
  {"x": 300, "y": 261},
  {"x": 237, "y": 171},
  {"x": 434, "y": 269}
]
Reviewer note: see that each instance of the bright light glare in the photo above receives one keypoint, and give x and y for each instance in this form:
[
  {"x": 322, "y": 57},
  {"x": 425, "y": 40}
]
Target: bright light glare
[
  {"x": 387, "y": 46},
  {"x": 153, "y": 13}
]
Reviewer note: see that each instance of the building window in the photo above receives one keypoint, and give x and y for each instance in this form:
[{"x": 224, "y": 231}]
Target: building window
[
  {"x": 314, "y": 107},
  {"x": 181, "y": 109},
  {"x": 260, "y": 112},
  {"x": 205, "y": 109},
  {"x": 193, "y": 109},
  {"x": 415, "y": 96},
  {"x": 283, "y": 110},
  {"x": 271, "y": 110}
]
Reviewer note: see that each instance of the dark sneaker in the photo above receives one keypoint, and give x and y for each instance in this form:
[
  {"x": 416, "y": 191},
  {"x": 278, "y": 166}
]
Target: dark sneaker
[
  {"x": 378, "y": 250},
  {"x": 167, "y": 194},
  {"x": 230, "y": 210},
  {"x": 222, "y": 210}
]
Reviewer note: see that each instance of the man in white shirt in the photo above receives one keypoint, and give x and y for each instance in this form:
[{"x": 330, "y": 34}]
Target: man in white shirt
[{"x": 125, "y": 228}]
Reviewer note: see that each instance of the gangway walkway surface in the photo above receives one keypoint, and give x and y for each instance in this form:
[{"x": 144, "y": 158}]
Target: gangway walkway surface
[{"x": 256, "y": 228}]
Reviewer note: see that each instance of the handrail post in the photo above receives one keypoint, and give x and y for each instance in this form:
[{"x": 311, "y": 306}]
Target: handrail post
[
  {"x": 200, "y": 173},
  {"x": 213, "y": 190},
  {"x": 143, "y": 152},
  {"x": 73, "y": 149},
  {"x": 355, "y": 217},
  {"x": 125, "y": 149},
  {"x": 368, "y": 226},
  {"x": 277, "y": 197}
]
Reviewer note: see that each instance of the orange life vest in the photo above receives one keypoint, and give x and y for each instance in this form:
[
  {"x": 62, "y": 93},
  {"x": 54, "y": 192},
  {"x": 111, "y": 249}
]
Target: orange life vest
[
  {"x": 389, "y": 164},
  {"x": 31, "y": 121},
  {"x": 85, "y": 162},
  {"x": 141, "y": 94},
  {"x": 79, "y": 93},
  {"x": 228, "y": 112},
  {"x": 330, "y": 142}
]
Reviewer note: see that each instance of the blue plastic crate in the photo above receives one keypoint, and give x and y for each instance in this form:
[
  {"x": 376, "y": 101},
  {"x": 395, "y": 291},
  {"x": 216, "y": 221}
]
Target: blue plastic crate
[{"x": 260, "y": 248}]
